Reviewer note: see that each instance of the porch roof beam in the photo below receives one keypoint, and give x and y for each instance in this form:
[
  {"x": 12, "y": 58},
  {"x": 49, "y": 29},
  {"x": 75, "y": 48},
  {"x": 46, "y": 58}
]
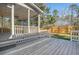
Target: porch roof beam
[
  {"x": 36, "y": 7},
  {"x": 30, "y": 5},
  {"x": 22, "y": 4}
]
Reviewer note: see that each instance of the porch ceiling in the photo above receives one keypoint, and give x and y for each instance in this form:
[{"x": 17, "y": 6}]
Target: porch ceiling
[{"x": 20, "y": 12}]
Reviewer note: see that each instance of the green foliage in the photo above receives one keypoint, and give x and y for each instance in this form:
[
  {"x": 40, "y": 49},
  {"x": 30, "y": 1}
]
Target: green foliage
[
  {"x": 74, "y": 8},
  {"x": 17, "y": 22},
  {"x": 55, "y": 13},
  {"x": 43, "y": 7},
  {"x": 60, "y": 37},
  {"x": 51, "y": 19},
  {"x": 34, "y": 22}
]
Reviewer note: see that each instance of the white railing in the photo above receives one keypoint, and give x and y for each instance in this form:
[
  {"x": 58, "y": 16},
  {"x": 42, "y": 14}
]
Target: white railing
[
  {"x": 75, "y": 35},
  {"x": 20, "y": 29}
]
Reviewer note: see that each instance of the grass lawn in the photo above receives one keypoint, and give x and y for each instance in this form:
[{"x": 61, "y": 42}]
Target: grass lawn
[{"x": 60, "y": 37}]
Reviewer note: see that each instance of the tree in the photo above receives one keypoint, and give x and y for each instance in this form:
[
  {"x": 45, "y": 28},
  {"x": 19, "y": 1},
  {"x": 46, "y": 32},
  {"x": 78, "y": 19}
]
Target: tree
[
  {"x": 73, "y": 8},
  {"x": 51, "y": 19},
  {"x": 77, "y": 10},
  {"x": 43, "y": 7},
  {"x": 55, "y": 13}
]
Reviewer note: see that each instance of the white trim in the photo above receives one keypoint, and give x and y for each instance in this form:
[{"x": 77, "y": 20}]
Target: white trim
[{"x": 28, "y": 20}]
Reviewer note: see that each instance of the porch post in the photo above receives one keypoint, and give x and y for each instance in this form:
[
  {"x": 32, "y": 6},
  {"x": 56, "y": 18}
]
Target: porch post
[
  {"x": 12, "y": 19},
  {"x": 39, "y": 23},
  {"x": 28, "y": 20},
  {"x": 12, "y": 22}
]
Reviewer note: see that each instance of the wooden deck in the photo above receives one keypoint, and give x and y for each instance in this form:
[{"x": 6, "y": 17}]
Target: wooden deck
[
  {"x": 45, "y": 46},
  {"x": 4, "y": 36}
]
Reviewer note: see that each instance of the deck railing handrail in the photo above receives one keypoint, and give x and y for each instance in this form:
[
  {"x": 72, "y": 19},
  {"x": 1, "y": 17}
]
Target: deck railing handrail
[{"x": 75, "y": 35}]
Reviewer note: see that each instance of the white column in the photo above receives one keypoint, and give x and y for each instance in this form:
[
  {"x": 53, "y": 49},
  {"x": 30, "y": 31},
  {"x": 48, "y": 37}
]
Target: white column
[
  {"x": 39, "y": 23},
  {"x": 12, "y": 21},
  {"x": 28, "y": 20}
]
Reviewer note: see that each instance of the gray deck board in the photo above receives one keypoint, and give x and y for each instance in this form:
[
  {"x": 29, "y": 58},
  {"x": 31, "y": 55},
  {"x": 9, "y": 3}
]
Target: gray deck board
[
  {"x": 50, "y": 46},
  {"x": 46, "y": 51},
  {"x": 69, "y": 48},
  {"x": 59, "y": 49},
  {"x": 63, "y": 50},
  {"x": 37, "y": 47},
  {"x": 74, "y": 48},
  {"x": 56, "y": 48},
  {"x": 77, "y": 48},
  {"x": 39, "y": 51}
]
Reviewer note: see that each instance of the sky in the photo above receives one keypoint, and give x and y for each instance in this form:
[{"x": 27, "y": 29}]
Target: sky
[{"x": 61, "y": 7}]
